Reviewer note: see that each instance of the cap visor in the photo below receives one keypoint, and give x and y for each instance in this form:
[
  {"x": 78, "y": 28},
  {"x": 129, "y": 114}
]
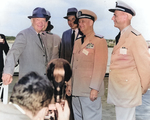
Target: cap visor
[{"x": 113, "y": 10}]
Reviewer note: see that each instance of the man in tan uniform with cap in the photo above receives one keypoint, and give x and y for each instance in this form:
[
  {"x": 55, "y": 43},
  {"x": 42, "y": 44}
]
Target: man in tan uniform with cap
[
  {"x": 89, "y": 61},
  {"x": 129, "y": 76}
]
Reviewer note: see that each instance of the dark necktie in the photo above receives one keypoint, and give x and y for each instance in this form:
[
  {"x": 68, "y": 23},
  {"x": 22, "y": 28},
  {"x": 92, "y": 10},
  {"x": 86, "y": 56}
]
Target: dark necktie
[
  {"x": 43, "y": 47},
  {"x": 40, "y": 39},
  {"x": 72, "y": 38},
  {"x": 117, "y": 38}
]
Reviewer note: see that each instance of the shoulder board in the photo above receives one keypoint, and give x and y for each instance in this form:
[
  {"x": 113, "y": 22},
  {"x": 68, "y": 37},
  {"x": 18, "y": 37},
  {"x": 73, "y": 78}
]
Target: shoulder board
[
  {"x": 136, "y": 32},
  {"x": 79, "y": 37},
  {"x": 100, "y": 36}
]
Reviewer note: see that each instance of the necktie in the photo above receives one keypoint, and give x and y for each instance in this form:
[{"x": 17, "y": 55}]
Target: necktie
[
  {"x": 40, "y": 39},
  {"x": 72, "y": 38},
  {"x": 43, "y": 47},
  {"x": 117, "y": 38}
]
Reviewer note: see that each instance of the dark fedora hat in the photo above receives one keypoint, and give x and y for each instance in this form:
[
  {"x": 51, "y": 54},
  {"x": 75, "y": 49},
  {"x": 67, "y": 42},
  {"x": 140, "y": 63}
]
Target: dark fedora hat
[
  {"x": 39, "y": 13},
  {"x": 49, "y": 26},
  {"x": 71, "y": 11}
]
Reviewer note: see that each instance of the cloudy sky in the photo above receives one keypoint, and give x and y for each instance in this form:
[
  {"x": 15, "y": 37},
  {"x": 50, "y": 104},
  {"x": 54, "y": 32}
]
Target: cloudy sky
[{"x": 13, "y": 15}]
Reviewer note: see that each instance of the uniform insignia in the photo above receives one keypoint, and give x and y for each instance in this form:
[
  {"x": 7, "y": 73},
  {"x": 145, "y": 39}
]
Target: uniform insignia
[
  {"x": 100, "y": 36},
  {"x": 136, "y": 32},
  {"x": 79, "y": 37},
  {"x": 89, "y": 46}
]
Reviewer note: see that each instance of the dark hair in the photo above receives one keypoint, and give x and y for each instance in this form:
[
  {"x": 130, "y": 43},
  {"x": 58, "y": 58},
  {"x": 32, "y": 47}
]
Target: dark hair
[
  {"x": 59, "y": 64},
  {"x": 32, "y": 92}
]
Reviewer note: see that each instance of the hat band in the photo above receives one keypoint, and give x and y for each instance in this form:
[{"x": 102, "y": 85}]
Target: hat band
[
  {"x": 71, "y": 13},
  {"x": 126, "y": 10},
  {"x": 87, "y": 16},
  {"x": 40, "y": 15}
]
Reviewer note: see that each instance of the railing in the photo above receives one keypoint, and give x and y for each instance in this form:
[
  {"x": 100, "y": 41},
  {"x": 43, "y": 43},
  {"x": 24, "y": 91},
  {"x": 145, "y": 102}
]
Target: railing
[{"x": 4, "y": 88}]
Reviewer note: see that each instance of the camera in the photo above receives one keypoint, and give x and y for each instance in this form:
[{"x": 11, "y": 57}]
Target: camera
[{"x": 59, "y": 73}]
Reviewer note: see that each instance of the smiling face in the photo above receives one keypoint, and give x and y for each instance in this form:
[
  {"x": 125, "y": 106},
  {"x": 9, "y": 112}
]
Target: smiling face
[
  {"x": 119, "y": 19},
  {"x": 85, "y": 24},
  {"x": 71, "y": 20},
  {"x": 38, "y": 24}
]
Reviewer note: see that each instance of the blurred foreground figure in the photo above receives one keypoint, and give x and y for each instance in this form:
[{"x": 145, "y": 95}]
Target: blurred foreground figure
[
  {"x": 129, "y": 76},
  {"x": 32, "y": 95}
]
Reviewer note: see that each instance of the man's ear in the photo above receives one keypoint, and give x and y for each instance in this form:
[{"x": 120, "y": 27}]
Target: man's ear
[{"x": 91, "y": 22}]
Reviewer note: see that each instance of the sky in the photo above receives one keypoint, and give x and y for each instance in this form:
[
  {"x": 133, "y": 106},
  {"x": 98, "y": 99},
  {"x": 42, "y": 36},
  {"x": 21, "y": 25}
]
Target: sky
[{"x": 14, "y": 15}]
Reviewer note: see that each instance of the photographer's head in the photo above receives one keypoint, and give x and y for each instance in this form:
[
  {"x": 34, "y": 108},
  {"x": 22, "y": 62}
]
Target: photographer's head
[{"x": 32, "y": 93}]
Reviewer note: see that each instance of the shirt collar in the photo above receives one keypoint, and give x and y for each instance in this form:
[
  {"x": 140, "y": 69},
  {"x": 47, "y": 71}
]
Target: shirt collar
[{"x": 124, "y": 30}]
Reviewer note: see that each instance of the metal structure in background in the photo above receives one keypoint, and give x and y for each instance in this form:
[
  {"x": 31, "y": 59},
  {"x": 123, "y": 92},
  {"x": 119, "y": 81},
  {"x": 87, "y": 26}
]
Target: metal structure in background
[{"x": 5, "y": 94}]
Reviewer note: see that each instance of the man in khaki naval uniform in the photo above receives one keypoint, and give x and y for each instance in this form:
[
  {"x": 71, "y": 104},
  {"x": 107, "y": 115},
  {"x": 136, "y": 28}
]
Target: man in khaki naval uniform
[
  {"x": 89, "y": 62},
  {"x": 129, "y": 76}
]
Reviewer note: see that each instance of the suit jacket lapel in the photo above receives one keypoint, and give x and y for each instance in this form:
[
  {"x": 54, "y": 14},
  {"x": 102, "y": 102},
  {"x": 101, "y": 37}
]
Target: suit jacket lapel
[
  {"x": 44, "y": 39},
  {"x": 36, "y": 38}
]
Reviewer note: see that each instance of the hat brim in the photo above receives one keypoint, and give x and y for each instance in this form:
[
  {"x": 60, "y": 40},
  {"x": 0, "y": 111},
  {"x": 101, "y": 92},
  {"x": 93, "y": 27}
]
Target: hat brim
[
  {"x": 66, "y": 17},
  {"x": 47, "y": 17},
  {"x": 37, "y": 17}
]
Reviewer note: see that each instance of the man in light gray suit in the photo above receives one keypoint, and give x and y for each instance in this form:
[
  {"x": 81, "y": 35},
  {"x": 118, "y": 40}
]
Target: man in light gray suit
[{"x": 29, "y": 49}]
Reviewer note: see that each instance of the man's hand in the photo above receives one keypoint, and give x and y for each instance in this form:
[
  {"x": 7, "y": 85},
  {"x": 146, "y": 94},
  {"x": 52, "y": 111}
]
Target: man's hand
[
  {"x": 63, "y": 112},
  {"x": 68, "y": 90},
  {"x": 7, "y": 79},
  {"x": 93, "y": 94}
]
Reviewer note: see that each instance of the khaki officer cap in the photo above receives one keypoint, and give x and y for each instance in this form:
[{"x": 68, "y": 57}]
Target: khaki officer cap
[
  {"x": 86, "y": 14},
  {"x": 121, "y": 6}
]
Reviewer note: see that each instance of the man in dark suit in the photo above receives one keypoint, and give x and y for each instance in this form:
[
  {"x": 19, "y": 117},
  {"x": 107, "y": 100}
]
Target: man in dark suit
[
  {"x": 69, "y": 36},
  {"x": 29, "y": 49},
  {"x": 3, "y": 47},
  {"x": 67, "y": 42}
]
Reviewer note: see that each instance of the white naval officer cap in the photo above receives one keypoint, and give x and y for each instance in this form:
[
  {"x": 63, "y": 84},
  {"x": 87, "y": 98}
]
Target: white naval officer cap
[{"x": 121, "y": 6}]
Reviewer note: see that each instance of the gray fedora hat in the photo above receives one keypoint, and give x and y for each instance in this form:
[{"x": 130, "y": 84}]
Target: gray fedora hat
[
  {"x": 39, "y": 13},
  {"x": 71, "y": 11},
  {"x": 121, "y": 6},
  {"x": 49, "y": 14}
]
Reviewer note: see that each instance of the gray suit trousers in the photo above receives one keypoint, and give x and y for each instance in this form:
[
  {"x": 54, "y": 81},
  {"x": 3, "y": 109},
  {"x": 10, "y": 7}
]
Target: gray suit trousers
[{"x": 85, "y": 109}]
